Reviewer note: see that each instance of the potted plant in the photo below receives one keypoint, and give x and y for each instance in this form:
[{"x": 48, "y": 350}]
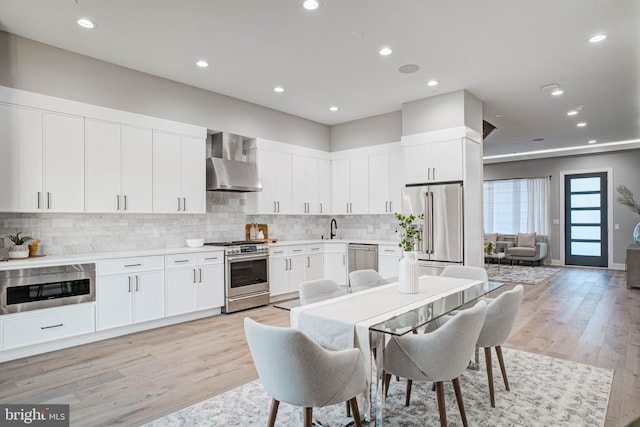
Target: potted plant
[
  {"x": 490, "y": 248},
  {"x": 408, "y": 268},
  {"x": 625, "y": 197},
  {"x": 19, "y": 249},
  {"x": 410, "y": 234}
]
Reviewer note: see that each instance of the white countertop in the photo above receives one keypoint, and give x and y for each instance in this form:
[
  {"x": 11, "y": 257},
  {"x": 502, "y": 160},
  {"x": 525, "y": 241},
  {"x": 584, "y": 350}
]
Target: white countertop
[
  {"x": 345, "y": 241},
  {"x": 50, "y": 260}
]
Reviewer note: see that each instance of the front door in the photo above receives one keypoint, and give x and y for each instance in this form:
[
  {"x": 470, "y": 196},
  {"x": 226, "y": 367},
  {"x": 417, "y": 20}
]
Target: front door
[{"x": 586, "y": 219}]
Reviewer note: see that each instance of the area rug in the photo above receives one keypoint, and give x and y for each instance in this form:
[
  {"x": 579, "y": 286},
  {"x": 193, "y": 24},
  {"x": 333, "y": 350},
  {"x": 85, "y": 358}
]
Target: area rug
[
  {"x": 519, "y": 273},
  {"x": 545, "y": 391}
]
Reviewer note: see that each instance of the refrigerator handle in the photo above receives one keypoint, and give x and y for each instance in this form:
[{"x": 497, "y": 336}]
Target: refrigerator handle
[{"x": 431, "y": 228}]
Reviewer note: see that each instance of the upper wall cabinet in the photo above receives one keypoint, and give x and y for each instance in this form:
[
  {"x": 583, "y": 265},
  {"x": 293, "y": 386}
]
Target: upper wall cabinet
[
  {"x": 178, "y": 173},
  {"x": 433, "y": 161},
  {"x": 385, "y": 182},
  {"x": 274, "y": 171},
  {"x": 311, "y": 185},
  {"x": 350, "y": 185},
  {"x": 42, "y": 162},
  {"x": 119, "y": 167}
]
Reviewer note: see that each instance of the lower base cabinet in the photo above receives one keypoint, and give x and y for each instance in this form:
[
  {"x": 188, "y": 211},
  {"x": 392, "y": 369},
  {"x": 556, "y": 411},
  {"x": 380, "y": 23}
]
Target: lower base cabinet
[
  {"x": 194, "y": 282},
  {"x": 389, "y": 260},
  {"x": 335, "y": 262},
  {"x": 35, "y": 327}
]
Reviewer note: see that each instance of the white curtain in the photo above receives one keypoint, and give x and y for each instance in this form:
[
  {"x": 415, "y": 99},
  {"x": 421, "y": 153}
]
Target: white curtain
[{"x": 517, "y": 206}]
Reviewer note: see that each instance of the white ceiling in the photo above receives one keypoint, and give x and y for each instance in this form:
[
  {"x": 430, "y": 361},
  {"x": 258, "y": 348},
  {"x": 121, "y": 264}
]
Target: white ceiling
[{"x": 502, "y": 51}]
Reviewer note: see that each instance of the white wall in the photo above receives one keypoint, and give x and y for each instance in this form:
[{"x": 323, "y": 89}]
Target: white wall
[
  {"x": 36, "y": 67},
  {"x": 374, "y": 130},
  {"x": 449, "y": 110}
]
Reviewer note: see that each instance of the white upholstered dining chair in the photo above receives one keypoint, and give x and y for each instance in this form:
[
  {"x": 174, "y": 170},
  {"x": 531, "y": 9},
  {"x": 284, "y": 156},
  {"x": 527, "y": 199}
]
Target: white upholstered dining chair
[
  {"x": 465, "y": 272},
  {"x": 313, "y": 289},
  {"x": 501, "y": 315},
  {"x": 296, "y": 370},
  {"x": 364, "y": 277},
  {"x": 441, "y": 355}
]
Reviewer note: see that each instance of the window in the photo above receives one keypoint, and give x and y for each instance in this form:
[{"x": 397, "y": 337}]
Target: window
[{"x": 517, "y": 206}]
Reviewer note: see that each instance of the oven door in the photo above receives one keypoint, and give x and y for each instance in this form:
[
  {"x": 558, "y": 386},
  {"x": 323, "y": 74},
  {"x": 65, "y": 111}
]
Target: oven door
[{"x": 247, "y": 274}]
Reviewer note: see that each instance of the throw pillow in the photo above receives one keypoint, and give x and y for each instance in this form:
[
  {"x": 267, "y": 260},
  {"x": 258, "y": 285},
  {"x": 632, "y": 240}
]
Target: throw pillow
[
  {"x": 526, "y": 240},
  {"x": 490, "y": 237}
]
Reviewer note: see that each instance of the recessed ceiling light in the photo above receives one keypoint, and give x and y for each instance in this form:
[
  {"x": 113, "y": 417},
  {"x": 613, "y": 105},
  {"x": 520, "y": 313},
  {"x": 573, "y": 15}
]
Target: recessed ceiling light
[
  {"x": 278, "y": 89},
  {"x": 557, "y": 92},
  {"x": 433, "y": 83},
  {"x": 592, "y": 141},
  {"x": 333, "y": 108},
  {"x": 498, "y": 115},
  {"x": 597, "y": 38},
  {"x": 85, "y": 23},
  {"x": 311, "y": 4},
  {"x": 202, "y": 63},
  {"x": 408, "y": 68},
  {"x": 385, "y": 51},
  {"x": 572, "y": 112},
  {"x": 581, "y": 124}
]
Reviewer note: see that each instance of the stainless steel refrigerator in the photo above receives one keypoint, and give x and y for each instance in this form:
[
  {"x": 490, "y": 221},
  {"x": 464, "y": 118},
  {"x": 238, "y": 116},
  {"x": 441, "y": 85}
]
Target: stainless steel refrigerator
[{"x": 442, "y": 228}]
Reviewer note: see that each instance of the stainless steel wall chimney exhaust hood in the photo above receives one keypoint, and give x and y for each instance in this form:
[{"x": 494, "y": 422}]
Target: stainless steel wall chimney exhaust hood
[{"x": 227, "y": 170}]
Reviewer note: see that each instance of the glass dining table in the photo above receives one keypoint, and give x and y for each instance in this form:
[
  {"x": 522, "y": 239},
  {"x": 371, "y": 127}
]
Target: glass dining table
[{"x": 333, "y": 320}]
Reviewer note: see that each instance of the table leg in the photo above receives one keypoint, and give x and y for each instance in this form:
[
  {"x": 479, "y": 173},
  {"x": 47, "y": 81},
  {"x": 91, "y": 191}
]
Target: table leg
[{"x": 376, "y": 396}]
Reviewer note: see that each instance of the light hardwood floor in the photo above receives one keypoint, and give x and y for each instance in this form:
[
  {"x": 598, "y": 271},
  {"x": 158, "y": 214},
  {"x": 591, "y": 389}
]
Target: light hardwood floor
[{"x": 584, "y": 315}]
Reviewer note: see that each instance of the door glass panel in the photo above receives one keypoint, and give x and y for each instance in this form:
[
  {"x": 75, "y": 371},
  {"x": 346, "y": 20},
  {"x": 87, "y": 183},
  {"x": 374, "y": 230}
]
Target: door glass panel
[
  {"x": 585, "y": 233},
  {"x": 585, "y": 249},
  {"x": 585, "y": 184},
  {"x": 585, "y": 200},
  {"x": 585, "y": 217}
]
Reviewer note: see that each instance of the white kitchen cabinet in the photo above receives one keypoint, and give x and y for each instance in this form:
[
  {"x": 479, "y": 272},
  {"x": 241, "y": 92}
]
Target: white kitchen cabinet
[
  {"x": 305, "y": 185},
  {"x": 194, "y": 282},
  {"x": 21, "y": 161},
  {"x": 324, "y": 186},
  {"x": 129, "y": 290},
  {"x": 275, "y": 172},
  {"x": 314, "y": 262},
  {"x": 39, "y": 326},
  {"x": 350, "y": 185},
  {"x": 435, "y": 161},
  {"x": 335, "y": 262},
  {"x": 385, "y": 182},
  {"x": 42, "y": 162},
  {"x": 286, "y": 268},
  {"x": 388, "y": 260},
  {"x": 178, "y": 173},
  {"x": 119, "y": 167}
]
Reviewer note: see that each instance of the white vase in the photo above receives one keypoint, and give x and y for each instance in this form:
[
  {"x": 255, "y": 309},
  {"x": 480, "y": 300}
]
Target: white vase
[
  {"x": 408, "y": 274},
  {"x": 19, "y": 251}
]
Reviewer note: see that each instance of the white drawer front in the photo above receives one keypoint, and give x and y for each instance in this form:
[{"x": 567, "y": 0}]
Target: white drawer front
[
  {"x": 314, "y": 249},
  {"x": 180, "y": 260},
  {"x": 207, "y": 258},
  {"x": 128, "y": 265},
  {"x": 31, "y": 329},
  {"x": 286, "y": 250},
  {"x": 391, "y": 250},
  {"x": 335, "y": 247}
]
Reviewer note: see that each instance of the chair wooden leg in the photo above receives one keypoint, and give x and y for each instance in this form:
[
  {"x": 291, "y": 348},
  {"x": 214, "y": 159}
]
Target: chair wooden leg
[
  {"x": 456, "y": 387},
  {"x": 356, "y": 412},
  {"x": 348, "y": 409},
  {"x": 408, "y": 397},
  {"x": 308, "y": 417},
  {"x": 387, "y": 380},
  {"x": 273, "y": 412},
  {"x": 487, "y": 357},
  {"x": 502, "y": 368},
  {"x": 441, "y": 408}
]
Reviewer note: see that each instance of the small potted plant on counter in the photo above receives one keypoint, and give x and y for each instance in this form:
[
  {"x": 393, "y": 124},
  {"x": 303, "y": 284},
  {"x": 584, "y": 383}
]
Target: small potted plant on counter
[{"x": 19, "y": 249}]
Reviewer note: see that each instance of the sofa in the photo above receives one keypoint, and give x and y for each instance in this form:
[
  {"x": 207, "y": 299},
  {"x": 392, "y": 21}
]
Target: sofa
[{"x": 529, "y": 247}]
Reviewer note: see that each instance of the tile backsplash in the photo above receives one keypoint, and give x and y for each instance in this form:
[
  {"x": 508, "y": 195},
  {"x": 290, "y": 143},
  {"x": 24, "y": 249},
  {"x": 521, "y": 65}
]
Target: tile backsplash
[{"x": 225, "y": 220}]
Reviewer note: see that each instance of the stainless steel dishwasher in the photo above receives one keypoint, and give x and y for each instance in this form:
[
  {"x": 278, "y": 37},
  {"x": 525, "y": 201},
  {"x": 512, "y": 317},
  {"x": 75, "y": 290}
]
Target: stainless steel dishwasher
[{"x": 363, "y": 257}]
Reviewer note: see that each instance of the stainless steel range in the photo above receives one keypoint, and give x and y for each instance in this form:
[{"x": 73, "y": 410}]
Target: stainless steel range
[{"x": 246, "y": 274}]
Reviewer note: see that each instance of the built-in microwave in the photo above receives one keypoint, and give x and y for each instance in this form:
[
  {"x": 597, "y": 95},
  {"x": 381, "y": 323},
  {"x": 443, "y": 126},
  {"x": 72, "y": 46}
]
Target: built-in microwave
[{"x": 43, "y": 287}]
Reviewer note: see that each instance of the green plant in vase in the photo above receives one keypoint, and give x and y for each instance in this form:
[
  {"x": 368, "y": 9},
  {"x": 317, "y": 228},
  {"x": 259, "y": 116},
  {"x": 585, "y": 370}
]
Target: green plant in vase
[
  {"x": 410, "y": 234},
  {"x": 19, "y": 248},
  {"x": 490, "y": 248}
]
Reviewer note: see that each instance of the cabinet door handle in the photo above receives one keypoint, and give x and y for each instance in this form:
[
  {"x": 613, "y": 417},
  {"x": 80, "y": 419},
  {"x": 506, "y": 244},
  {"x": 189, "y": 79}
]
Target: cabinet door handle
[
  {"x": 211, "y": 258},
  {"x": 184, "y": 204},
  {"x": 132, "y": 265},
  {"x": 274, "y": 206},
  {"x": 125, "y": 202},
  {"x": 38, "y": 200},
  {"x": 178, "y": 204},
  {"x": 117, "y": 202},
  {"x": 48, "y": 200},
  {"x": 181, "y": 260},
  {"x": 390, "y": 206},
  {"x": 390, "y": 250},
  {"x": 52, "y": 326},
  {"x": 308, "y": 262},
  {"x": 129, "y": 277},
  {"x": 278, "y": 206},
  {"x": 200, "y": 275},
  {"x": 347, "y": 207},
  {"x": 137, "y": 283},
  {"x": 277, "y": 252},
  {"x": 428, "y": 174},
  {"x": 386, "y": 206},
  {"x": 194, "y": 275},
  {"x": 320, "y": 207},
  {"x": 434, "y": 174},
  {"x": 344, "y": 260}
]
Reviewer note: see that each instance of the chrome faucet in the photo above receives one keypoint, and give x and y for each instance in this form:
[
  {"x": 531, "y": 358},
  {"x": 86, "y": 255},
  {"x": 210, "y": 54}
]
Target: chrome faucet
[{"x": 333, "y": 222}]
